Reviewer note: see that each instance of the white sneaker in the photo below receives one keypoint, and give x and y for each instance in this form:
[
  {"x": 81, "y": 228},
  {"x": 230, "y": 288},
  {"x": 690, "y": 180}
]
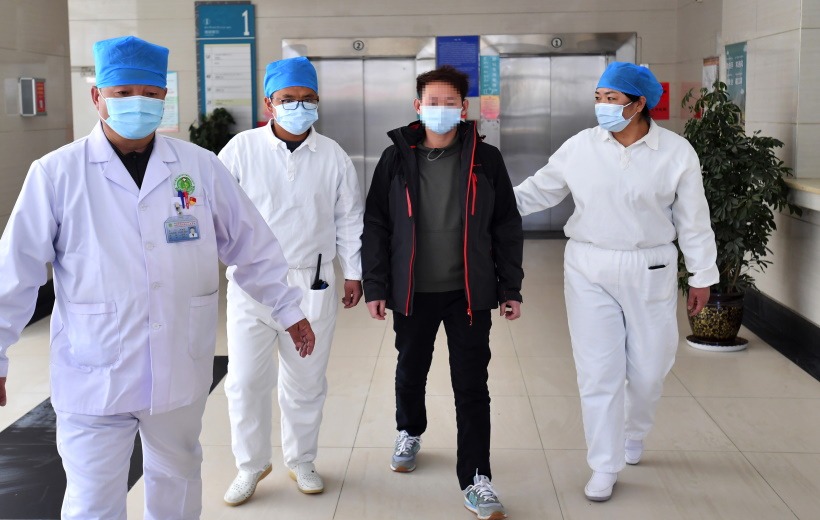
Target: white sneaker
[
  {"x": 599, "y": 487},
  {"x": 244, "y": 485},
  {"x": 307, "y": 480},
  {"x": 633, "y": 451}
]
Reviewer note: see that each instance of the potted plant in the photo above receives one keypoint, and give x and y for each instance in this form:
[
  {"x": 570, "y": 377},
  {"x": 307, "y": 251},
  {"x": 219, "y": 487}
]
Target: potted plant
[
  {"x": 743, "y": 181},
  {"x": 211, "y": 132}
]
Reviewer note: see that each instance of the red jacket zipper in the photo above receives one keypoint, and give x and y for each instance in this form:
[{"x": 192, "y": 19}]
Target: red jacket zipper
[
  {"x": 475, "y": 189},
  {"x": 412, "y": 254},
  {"x": 470, "y": 184}
]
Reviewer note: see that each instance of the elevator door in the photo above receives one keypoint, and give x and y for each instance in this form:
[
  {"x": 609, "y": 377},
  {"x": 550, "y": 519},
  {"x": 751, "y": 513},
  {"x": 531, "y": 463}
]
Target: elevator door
[
  {"x": 545, "y": 101},
  {"x": 361, "y": 100}
]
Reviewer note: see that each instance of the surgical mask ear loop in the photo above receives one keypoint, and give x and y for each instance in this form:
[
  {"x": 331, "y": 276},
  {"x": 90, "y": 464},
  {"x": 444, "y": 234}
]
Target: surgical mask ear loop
[
  {"x": 622, "y": 111},
  {"x": 100, "y": 94}
]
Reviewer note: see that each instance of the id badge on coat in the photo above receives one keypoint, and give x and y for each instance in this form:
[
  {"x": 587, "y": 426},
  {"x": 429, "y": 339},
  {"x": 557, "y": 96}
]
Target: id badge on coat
[{"x": 181, "y": 228}]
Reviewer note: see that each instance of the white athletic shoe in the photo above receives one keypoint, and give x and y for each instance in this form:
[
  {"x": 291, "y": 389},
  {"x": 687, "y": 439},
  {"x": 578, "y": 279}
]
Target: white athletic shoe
[
  {"x": 244, "y": 485},
  {"x": 307, "y": 480},
  {"x": 633, "y": 451},
  {"x": 599, "y": 487}
]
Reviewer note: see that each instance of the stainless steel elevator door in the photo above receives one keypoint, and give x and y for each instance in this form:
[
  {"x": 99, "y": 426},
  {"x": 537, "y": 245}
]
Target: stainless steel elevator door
[
  {"x": 525, "y": 123},
  {"x": 545, "y": 101},
  {"x": 341, "y": 108},
  {"x": 361, "y": 100},
  {"x": 389, "y": 90},
  {"x": 572, "y": 98}
]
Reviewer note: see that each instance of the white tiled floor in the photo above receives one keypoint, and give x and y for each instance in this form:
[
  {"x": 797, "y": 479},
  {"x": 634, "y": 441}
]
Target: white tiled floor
[{"x": 736, "y": 434}]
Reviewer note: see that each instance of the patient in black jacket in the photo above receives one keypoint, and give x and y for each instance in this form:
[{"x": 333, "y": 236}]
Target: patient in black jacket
[{"x": 443, "y": 242}]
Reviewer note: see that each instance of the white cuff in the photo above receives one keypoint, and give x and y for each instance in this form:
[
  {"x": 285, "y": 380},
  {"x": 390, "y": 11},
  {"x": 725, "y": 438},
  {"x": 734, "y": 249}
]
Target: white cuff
[
  {"x": 705, "y": 278},
  {"x": 289, "y": 317}
]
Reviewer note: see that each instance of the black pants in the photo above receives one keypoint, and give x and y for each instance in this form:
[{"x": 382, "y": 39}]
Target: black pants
[{"x": 469, "y": 347}]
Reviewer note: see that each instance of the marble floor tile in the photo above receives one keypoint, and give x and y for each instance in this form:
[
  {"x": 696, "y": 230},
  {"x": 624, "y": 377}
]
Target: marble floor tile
[
  {"x": 432, "y": 492},
  {"x": 795, "y": 477},
  {"x": 675, "y": 485},
  {"x": 275, "y": 497},
  {"x": 768, "y": 425}
]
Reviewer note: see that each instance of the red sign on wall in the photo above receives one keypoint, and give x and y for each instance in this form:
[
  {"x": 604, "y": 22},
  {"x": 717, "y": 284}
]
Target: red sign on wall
[
  {"x": 661, "y": 110},
  {"x": 40, "y": 96}
]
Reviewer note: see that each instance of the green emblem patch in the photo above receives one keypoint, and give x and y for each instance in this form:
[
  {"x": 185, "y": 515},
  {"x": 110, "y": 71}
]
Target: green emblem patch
[{"x": 184, "y": 182}]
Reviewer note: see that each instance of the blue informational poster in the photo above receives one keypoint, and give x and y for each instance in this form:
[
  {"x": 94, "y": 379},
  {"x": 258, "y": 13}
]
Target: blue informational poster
[
  {"x": 736, "y": 75},
  {"x": 490, "y": 76},
  {"x": 462, "y": 53},
  {"x": 226, "y": 52}
]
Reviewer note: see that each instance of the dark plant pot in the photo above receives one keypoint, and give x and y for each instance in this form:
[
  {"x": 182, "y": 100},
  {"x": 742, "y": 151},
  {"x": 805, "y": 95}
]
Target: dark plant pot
[{"x": 717, "y": 325}]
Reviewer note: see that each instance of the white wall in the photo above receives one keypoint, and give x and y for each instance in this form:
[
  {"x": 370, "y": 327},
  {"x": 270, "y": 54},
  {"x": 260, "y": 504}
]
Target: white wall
[
  {"x": 171, "y": 23},
  {"x": 33, "y": 43},
  {"x": 698, "y": 36},
  {"x": 783, "y": 60}
]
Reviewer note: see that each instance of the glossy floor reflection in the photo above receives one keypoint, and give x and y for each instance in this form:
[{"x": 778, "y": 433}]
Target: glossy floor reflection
[{"x": 736, "y": 434}]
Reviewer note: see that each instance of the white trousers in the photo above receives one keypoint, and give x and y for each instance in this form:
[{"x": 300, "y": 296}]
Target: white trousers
[
  {"x": 96, "y": 452},
  {"x": 252, "y": 374},
  {"x": 622, "y": 320}
]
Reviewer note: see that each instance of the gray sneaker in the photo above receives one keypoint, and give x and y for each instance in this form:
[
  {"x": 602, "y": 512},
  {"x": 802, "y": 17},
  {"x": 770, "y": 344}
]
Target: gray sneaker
[
  {"x": 404, "y": 452},
  {"x": 481, "y": 499}
]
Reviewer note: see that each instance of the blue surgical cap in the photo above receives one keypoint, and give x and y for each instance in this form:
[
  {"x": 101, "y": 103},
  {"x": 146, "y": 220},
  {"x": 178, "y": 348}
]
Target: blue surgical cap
[
  {"x": 632, "y": 79},
  {"x": 130, "y": 61},
  {"x": 292, "y": 72}
]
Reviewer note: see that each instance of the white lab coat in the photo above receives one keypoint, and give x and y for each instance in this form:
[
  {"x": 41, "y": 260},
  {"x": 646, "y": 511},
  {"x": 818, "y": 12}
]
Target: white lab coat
[
  {"x": 630, "y": 204},
  {"x": 311, "y": 200},
  {"x": 135, "y": 318}
]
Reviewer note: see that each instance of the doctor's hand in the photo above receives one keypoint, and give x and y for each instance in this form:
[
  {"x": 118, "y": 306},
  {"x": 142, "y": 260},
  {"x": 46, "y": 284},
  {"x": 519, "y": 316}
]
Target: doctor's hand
[
  {"x": 2, "y": 391},
  {"x": 514, "y": 311},
  {"x": 353, "y": 293},
  {"x": 376, "y": 308},
  {"x": 698, "y": 297},
  {"x": 302, "y": 336}
]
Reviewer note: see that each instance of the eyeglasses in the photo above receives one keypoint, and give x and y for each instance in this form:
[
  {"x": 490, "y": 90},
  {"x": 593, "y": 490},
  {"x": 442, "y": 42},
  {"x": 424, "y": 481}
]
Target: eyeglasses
[{"x": 291, "y": 104}]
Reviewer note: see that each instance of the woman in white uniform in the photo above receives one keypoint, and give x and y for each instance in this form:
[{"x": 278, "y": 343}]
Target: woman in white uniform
[{"x": 637, "y": 187}]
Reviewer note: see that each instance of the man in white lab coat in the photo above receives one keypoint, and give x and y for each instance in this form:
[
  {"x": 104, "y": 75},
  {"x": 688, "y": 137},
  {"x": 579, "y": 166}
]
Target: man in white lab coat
[
  {"x": 133, "y": 330},
  {"x": 305, "y": 186}
]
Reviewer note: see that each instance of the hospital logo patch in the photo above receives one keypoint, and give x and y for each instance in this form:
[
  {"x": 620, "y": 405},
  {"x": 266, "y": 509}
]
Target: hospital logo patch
[{"x": 185, "y": 183}]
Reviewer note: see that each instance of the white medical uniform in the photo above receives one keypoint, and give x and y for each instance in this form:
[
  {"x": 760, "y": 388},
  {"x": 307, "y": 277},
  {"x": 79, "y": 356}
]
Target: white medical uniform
[
  {"x": 630, "y": 205},
  {"x": 311, "y": 200},
  {"x": 133, "y": 330}
]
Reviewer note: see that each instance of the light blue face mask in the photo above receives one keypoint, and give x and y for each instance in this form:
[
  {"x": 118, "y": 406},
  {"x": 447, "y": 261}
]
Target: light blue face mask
[
  {"x": 440, "y": 119},
  {"x": 134, "y": 117},
  {"x": 611, "y": 117},
  {"x": 298, "y": 121}
]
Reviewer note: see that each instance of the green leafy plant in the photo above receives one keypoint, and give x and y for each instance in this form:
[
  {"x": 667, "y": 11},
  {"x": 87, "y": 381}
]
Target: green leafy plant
[
  {"x": 211, "y": 131},
  {"x": 744, "y": 184}
]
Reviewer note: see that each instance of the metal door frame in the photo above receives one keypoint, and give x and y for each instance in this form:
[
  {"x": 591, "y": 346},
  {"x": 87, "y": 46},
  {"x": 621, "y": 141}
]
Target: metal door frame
[
  {"x": 363, "y": 48},
  {"x": 622, "y": 46}
]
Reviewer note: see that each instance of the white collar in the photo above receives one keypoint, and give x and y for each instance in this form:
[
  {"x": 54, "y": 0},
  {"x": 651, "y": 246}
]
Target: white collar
[
  {"x": 652, "y": 137},
  {"x": 310, "y": 140}
]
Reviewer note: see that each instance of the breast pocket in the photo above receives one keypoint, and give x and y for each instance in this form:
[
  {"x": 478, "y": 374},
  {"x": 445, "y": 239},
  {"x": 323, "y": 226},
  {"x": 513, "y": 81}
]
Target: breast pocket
[
  {"x": 94, "y": 334},
  {"x": 202, "y": 325}
]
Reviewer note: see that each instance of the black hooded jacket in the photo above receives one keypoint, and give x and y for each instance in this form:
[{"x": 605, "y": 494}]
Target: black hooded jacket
[{"x": 493, "y": 238}]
